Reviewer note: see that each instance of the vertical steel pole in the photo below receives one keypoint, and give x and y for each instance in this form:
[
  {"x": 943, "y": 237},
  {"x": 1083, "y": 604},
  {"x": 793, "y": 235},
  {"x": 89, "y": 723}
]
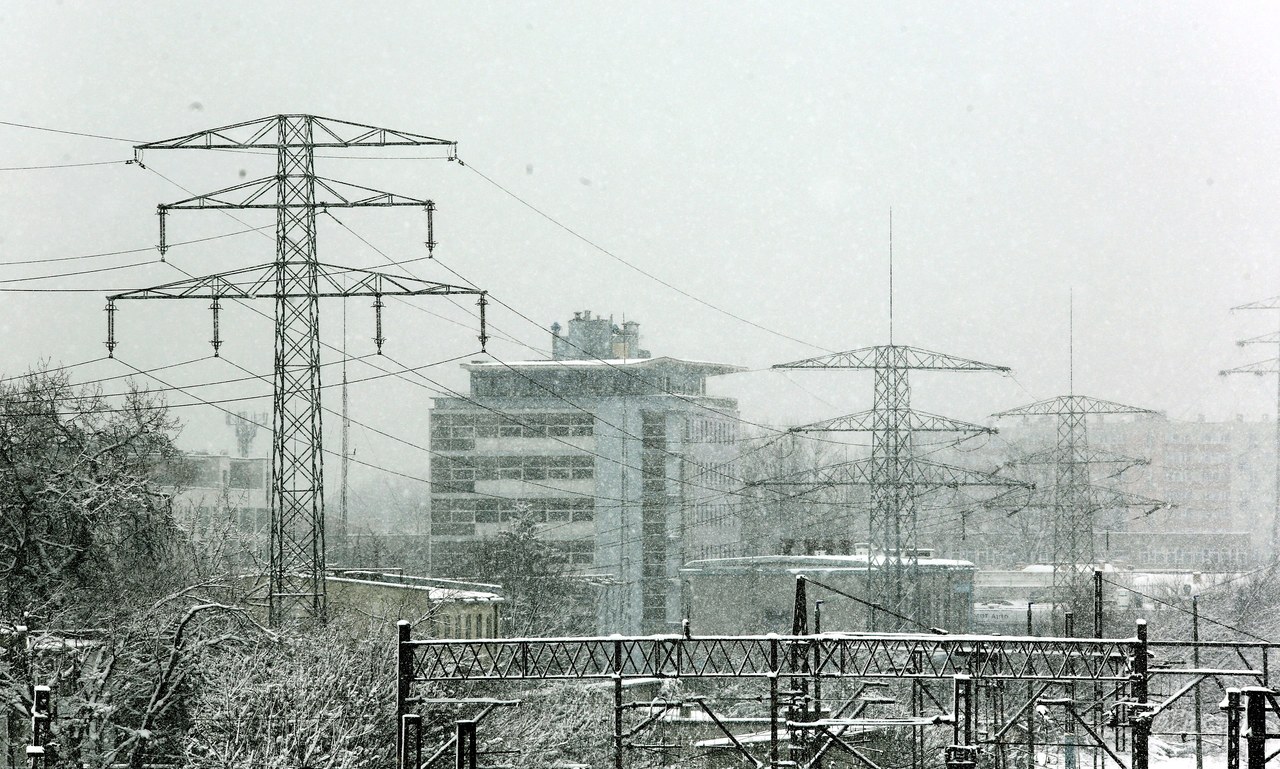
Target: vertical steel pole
[
  {"x": 1141, "y": 717},
  {"x": 1097, "y": 603},
  {"x": 411, "y": 747},
  {"x": 773, "y": 703},
  {"x": 1233, "y": 728},
  {"x": 1256, "y": 723},
  {"x": 1195, "y": 662},
  {"x": 404, "y": 681},
  {"x": 465, "y": 745},
  {"x": 617, "y": 704}
]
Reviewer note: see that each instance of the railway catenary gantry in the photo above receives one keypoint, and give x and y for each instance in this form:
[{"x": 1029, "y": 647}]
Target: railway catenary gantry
[{"x": 982, "y": 689}]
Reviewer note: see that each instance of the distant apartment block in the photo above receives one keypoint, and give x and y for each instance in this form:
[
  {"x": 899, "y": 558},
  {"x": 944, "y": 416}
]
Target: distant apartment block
[
  {"x": 622, "y": 459},
  {"x": 224, "y": 497}
]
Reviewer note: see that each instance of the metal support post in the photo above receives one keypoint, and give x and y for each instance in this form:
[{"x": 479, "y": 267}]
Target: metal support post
[
  {"x": 465, "y": 744},
  {"x": 1255, "y": 716},
  {"x": 404, "y": 681},
  {"x": 1140, "y": 717},
  {"x": 617, "y": 705},
  {"x": 1069, "y": 624},
  {"x": 1097, "y": 603},
  {"x": 41, "y": 721},
  {"x": 962, "y": 753},
  {"x": 1195, "y": 662},
  {"x": 411, "y": 741},
  {"x": 773, "y": 703},
  {"x": 1232, "y": 707}
]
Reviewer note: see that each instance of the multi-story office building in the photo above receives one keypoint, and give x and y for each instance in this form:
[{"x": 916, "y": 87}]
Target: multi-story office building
[{"x": 623, "y": 460}]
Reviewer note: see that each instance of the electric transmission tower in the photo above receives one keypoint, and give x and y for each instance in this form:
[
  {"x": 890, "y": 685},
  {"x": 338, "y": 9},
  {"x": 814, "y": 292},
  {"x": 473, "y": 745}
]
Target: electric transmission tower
[
  {"x": 895, "y": 475},
  {"x": 1076, "y": 501},
  {"x": 295, "y": 281},
  {"x": 1260, "y": 368}
]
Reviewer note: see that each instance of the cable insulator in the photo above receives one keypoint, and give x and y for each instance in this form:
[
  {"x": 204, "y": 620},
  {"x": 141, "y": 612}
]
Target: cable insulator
[
  {"x": 431, "y": 229},
  {"x": 484, "y": 331},
  {"x": 164, "y": 247},
  {"x": 111, "y": 328},
  {"x": 216, "y": 306},
  {"x": 378, "y": 339}
]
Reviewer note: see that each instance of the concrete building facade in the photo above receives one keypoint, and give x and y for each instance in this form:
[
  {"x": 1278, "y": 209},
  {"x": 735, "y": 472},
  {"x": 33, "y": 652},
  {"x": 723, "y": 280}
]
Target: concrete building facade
[{"x": 625, "y": 463}]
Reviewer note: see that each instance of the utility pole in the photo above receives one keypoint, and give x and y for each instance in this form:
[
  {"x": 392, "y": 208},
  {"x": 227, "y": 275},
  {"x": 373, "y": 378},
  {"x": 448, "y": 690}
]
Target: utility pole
[
  {"x": 295, "y": 281},
  {"x": 1259, "y": 369}
]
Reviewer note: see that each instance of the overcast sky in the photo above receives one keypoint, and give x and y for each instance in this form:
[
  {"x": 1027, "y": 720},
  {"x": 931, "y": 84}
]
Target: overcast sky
[{"x": 747, "y": 154}]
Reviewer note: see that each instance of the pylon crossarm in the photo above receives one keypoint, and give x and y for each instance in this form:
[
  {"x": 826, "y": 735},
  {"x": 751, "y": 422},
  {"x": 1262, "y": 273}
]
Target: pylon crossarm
[
  {"x": 261, "y": 193},
  {"x": 261, "y": 134},
  {"x": 1072, "y": 404},
  {"x": 258, "y": 283},
  {"x": 915, "y": 473},
  {"x": 916, "y": 421},
  {"x": 1086, "y": 455},
  {"x": 1259, "y": 368},
  {"x": 1262, "y": 304},
  {"x": 1272, "y": 338},
  {"x": 895, "y": 356}
]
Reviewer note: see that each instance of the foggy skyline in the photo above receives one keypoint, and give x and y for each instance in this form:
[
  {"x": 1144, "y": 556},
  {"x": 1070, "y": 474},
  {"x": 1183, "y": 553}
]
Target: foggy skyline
[{"x": 748, "y": 155}]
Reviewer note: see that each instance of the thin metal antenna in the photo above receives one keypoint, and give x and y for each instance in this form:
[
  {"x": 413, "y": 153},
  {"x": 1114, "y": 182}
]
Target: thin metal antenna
[
  {"x": 1071, "y": 341},
  {"x": 891, "y": 276}
]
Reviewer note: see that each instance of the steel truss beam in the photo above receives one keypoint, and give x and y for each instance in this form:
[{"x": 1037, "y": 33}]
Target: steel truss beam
[
  {"x": 1120, "y": 672},
  {"x": 827, "y": 656}
]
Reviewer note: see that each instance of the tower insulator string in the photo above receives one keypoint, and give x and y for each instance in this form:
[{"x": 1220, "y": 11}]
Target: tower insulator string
[
  {"x": 216, "y": 306},
  {"x": 378, "y": 339},
  {"x": 111, "y": 328},
  {"x": 431, "y": 228}
]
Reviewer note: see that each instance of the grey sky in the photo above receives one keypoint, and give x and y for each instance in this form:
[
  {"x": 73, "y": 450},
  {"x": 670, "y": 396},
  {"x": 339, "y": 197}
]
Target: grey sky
[{"x": 747, "y": 153}]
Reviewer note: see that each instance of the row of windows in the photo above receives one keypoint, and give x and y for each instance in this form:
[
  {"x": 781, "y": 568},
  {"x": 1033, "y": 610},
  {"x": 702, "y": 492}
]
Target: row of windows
[
  {"x": 458, "y": 432},
  {"x": 538, "y": 510},
  {"x": 703, "y": 552},
  {"x": 710, "y": 431},
  {"x": 714, "y": 514},
  {"x": 471, "y": 624},
  {"x": 457, "y": 474}
]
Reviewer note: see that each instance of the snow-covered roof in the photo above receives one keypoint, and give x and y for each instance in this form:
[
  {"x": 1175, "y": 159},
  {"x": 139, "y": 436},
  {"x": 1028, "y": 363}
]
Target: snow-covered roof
[
  {"x": 801, "y": 564},
  {"x": 435, "y": 593},
  {"x": 711, "y": 367}
]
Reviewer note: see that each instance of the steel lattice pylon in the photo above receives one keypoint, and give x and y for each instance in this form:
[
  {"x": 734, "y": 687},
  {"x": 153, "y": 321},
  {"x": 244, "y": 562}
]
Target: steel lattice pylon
[
  {"x": 1260, "y": 368},
  {"x": 895, "y": 475},
  {"x": 295, "y": 280},
  {"x": 1076, "y": 501}
]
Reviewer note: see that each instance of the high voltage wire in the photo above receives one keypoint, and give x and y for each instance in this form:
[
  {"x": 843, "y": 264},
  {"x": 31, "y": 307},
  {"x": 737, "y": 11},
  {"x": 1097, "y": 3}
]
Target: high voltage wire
[
  {"x": 1174, "y": 606},
  {"x": 69, "y": 133},
  {"x": 134, "y": 250},
  {"x": 643, "y": 272},
  {"x": 67, "y": 165}
]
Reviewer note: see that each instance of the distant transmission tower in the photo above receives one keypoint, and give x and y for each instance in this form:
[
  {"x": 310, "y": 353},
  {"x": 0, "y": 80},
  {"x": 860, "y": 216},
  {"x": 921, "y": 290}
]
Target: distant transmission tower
[
  {"x": 1076, "y": 502},
  {"x": 895, "y": 475},
  {"x": 1260, "y": 368},
  {"x": 295, "y": 281}
]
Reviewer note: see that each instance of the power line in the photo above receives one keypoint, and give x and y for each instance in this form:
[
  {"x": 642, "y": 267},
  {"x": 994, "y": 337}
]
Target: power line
[
  {"x": 1175, "y": 607},
  {"x": 69, "y": 133},
  {"x": 134, "y": 250},
  {"x": 643, "y": 272},
  {"x": 67, "y": 165},
  {"x": 81, "y": 272}
]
